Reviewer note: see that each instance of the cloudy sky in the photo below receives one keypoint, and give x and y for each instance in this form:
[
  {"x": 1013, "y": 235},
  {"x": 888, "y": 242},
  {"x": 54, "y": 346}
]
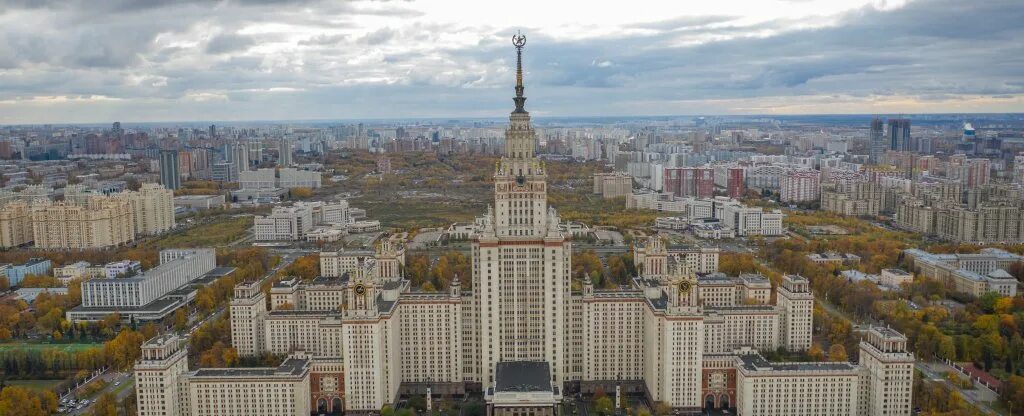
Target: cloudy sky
[{"x": 182, "y": 60}]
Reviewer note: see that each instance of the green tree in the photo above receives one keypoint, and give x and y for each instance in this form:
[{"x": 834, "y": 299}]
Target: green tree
[{"x": 604, "y": 406}]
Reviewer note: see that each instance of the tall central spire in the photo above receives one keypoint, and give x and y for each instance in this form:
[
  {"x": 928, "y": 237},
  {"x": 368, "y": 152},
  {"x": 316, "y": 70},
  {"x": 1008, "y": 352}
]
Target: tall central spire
[{"x": 519, "y": 40}]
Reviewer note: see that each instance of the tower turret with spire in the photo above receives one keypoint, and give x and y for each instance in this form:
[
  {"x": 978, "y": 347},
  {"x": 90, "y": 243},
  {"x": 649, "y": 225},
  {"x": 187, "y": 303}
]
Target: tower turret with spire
[{"x": 520, "y": 182}]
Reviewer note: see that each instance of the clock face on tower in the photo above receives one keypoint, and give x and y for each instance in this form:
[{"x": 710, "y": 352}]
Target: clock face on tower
[
  {"x": 360, "y": 289},
  {"x": 684, "y": 286},
  {"x": 520, "y": 180}
]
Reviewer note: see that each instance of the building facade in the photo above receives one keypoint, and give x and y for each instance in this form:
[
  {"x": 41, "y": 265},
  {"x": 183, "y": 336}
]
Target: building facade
[{"x": 99, "y": 222}]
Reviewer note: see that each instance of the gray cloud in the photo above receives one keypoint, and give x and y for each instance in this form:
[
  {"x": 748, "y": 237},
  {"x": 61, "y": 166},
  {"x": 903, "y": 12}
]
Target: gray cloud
[
  {"x": 378, "y": 37},
  {"x": 156, "y": 59},
  {"x": 229, "y": 42}
]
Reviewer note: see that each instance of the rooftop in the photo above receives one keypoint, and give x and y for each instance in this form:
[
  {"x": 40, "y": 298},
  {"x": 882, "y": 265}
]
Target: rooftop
[
  {"x": 293, "y": 366},
  {"x": 758, "y": 363}
]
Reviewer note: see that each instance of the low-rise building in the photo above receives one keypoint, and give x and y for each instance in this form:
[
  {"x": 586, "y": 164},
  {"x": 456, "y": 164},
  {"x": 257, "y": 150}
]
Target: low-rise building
[
  {"x": 974, "y": 274},
  {"x": 894, "y": 278},
  {"x": 284, "y": 224},
  {"x": 147, "y": 295},
  {"x": 671, "y": 223},
  {"x": 36, "y": 266},
  {"x": 199, "y": 202},
  {"x": 77, "y": 270},
  {"x": 834, "y": 258}
]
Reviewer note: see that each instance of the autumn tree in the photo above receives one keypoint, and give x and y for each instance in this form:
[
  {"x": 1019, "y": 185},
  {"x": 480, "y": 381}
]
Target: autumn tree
[
  {"x": 837, "y": 353},
  {"x": 815, "y": 352},
  {"x": 124, "y": 349},
  {"x": 20, "y": 401},
  {"x": 106, "y": 405}
]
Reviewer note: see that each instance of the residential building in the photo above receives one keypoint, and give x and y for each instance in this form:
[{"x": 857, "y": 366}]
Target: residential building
[
  {"x": 152, "y": 207},
  {"x": 689, "y": 181},
  {"x": 876, "y": 141},
  {"x": 15, "y": 224},
  {"x": 799, "y": 186},
  {"x": 100, "y": 222},
  {"x": 613, "y": 185},
  {"x": 286, "y": 178},
  {"x": 284, "y": 153},
  {"x": 899, "y": 135},
  {"x": 170, "y": 173},
  {"x": 852, "y": 198}
]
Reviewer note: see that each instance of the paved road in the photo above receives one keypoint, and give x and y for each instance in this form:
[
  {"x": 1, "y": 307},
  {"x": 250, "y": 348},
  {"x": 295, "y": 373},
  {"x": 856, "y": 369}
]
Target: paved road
[{"x": 119, "y": 382}]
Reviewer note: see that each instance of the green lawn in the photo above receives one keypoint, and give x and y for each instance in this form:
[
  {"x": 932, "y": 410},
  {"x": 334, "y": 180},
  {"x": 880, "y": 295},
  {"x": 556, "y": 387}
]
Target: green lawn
[
  {"x": 38, "y": 385},
  {"x": 217, "y": 233},
  {"x": 44, "y": 346}
]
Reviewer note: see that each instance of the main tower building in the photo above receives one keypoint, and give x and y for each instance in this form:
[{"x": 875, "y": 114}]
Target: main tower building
[{"x": 520, "y": 259}]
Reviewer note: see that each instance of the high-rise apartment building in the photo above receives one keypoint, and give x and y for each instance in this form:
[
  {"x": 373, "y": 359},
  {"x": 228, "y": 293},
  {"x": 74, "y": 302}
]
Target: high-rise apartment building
[
  {"x": 695, "y": 182},
  {"x": 153, "y": 207},
  {"x": 15, "y": 224},
  {"x": 284, "y": 153},
  {"x": 899, "y": 135},
  {"x": 876, "y": 141},
  {"x": 735, "y": 182},
  {"x": 801, "y": 185},
  {"x": 99, "y": 222},
  {"x": 170, "y": 174}
]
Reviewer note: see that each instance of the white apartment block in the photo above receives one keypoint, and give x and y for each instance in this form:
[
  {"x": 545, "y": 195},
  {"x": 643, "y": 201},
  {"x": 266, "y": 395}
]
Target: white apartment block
[{"x": 284, "y": 224}]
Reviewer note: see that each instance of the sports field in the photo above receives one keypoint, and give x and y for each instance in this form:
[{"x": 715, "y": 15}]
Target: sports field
[{"x": 25, "y": 346}]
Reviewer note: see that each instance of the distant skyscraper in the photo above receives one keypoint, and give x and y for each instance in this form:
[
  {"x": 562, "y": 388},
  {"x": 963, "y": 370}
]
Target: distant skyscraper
[
  {"x": 284, "y": 150},
  {"x": 899, "y": 134},
  {"x": 116, "y": 131},
  {"x": 213, "y": 131},
  {"x": 170, "y": 175},
  {"x": 876, "y": 141}
]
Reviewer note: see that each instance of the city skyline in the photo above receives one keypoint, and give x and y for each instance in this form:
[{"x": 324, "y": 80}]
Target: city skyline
[{"x": 310, "y": 60}]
